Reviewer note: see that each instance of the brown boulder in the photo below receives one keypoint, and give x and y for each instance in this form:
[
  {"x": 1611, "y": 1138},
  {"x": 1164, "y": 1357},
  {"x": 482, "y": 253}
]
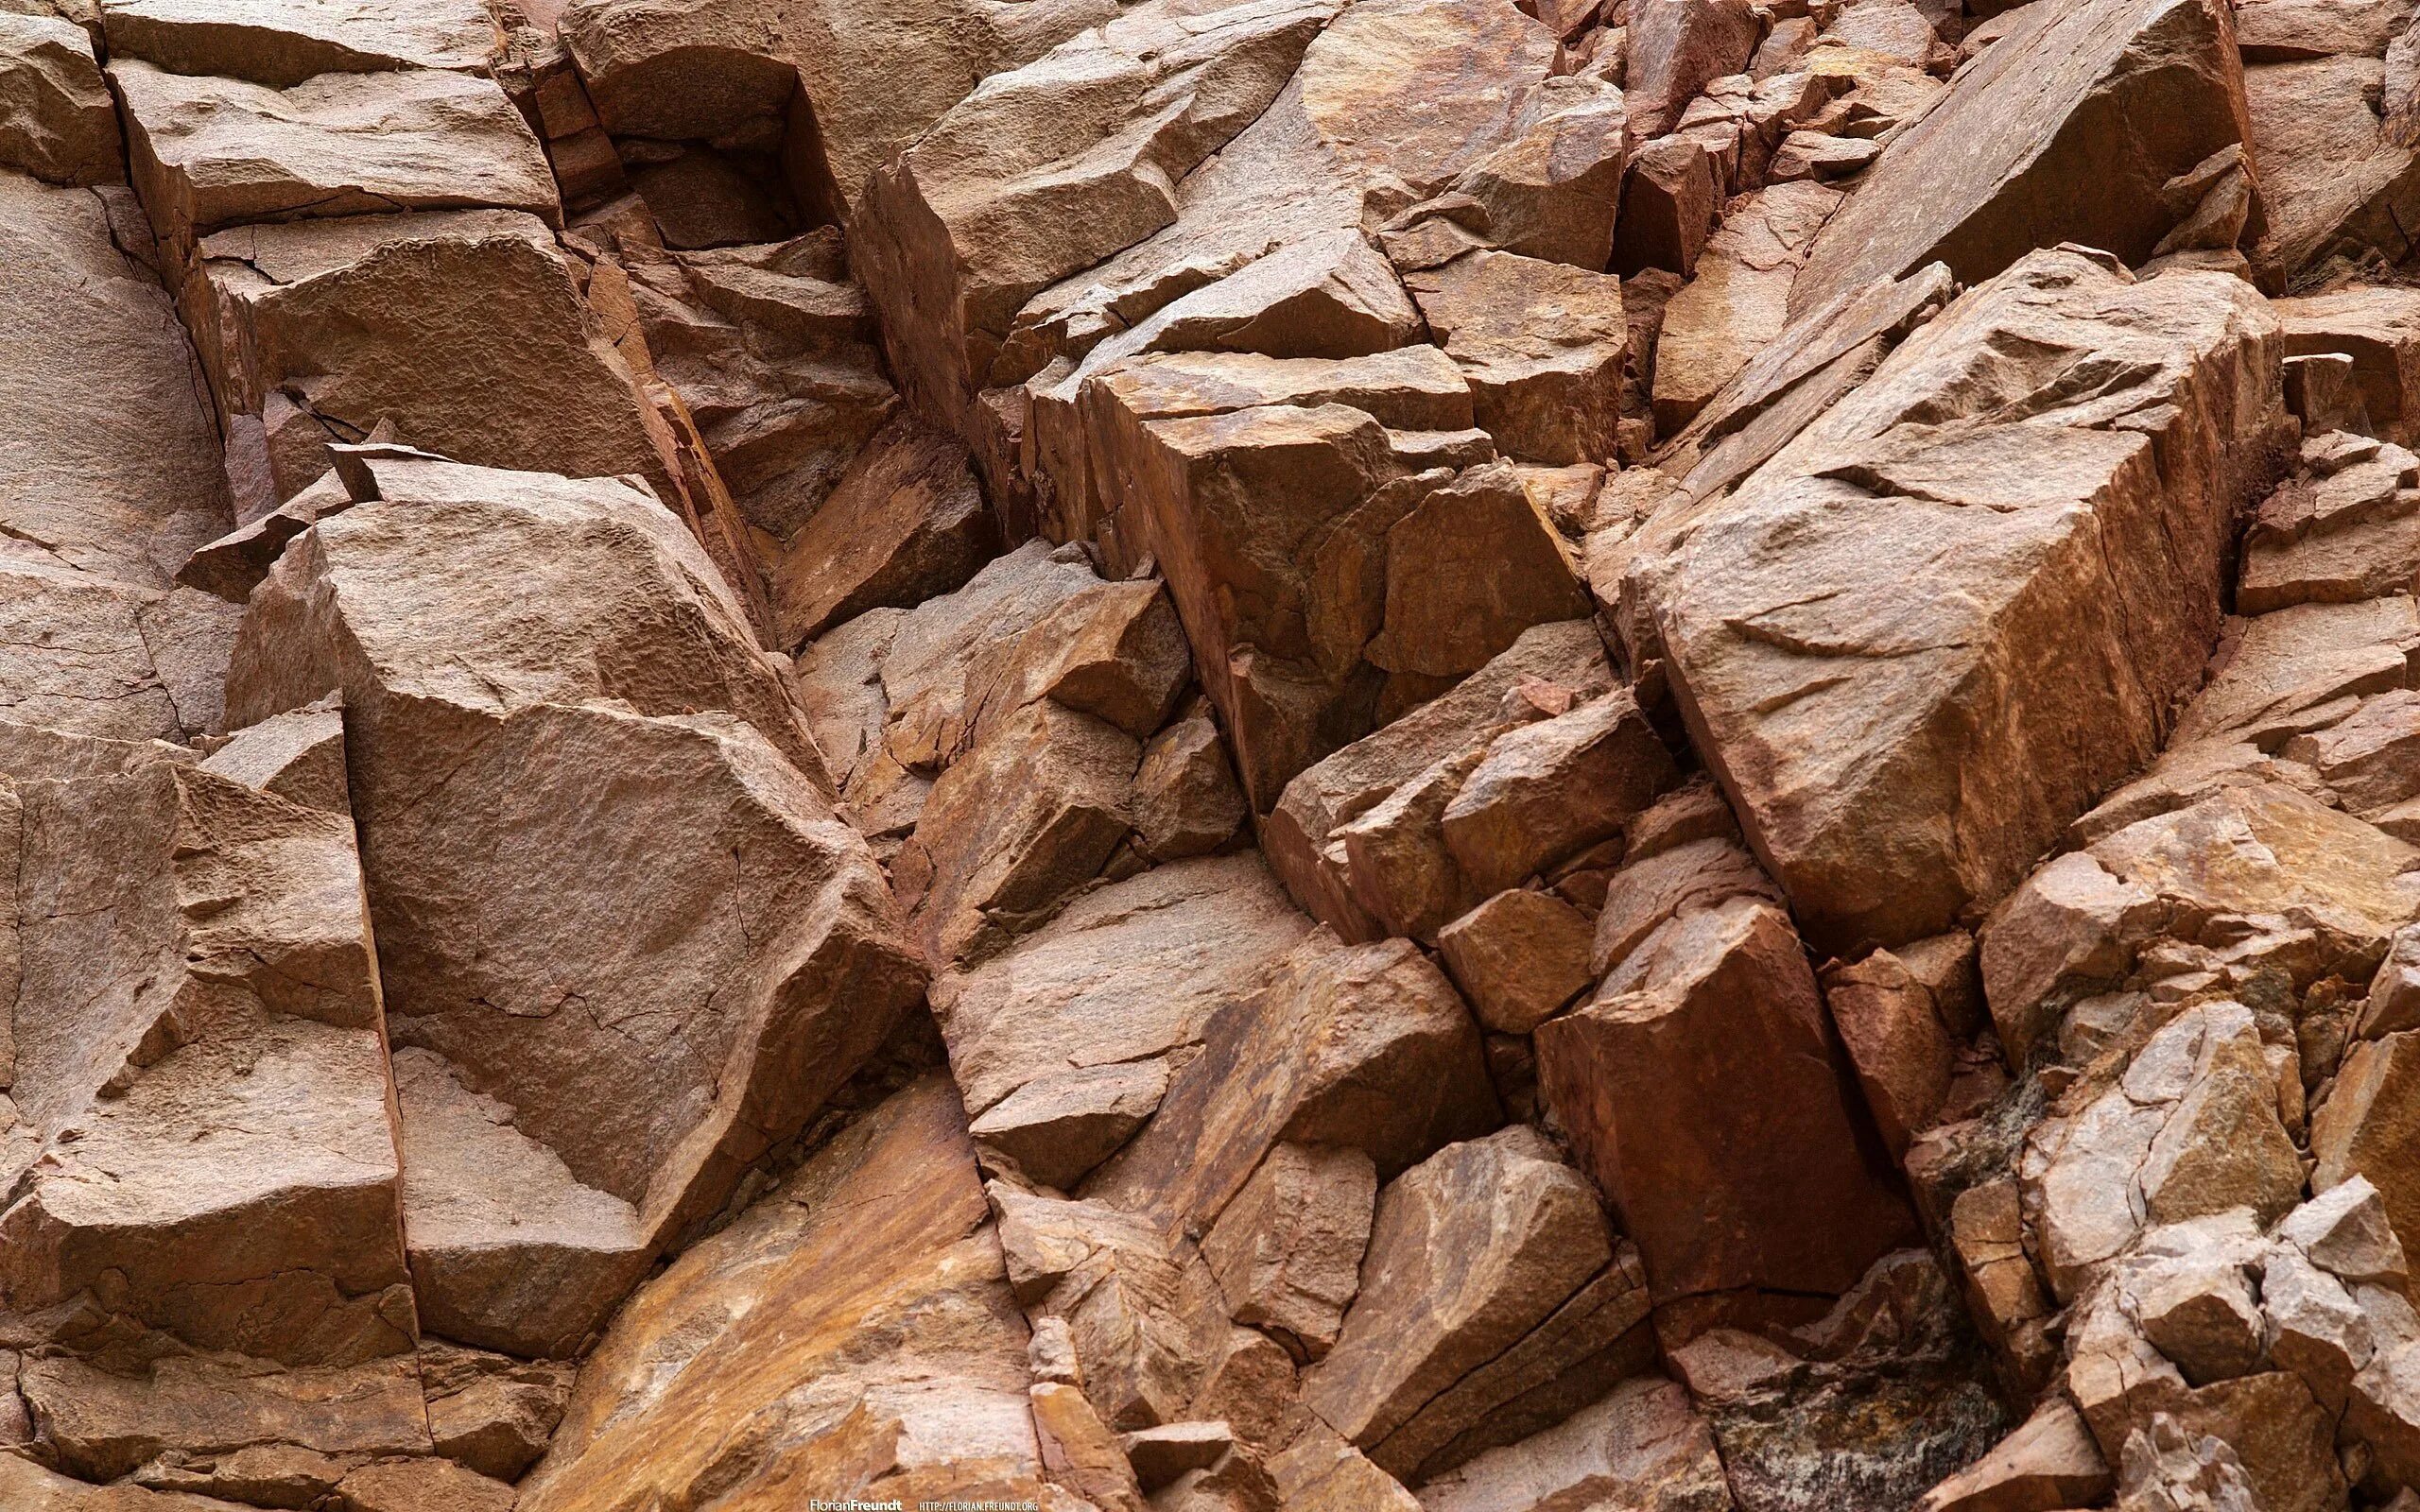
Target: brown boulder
[
  {"x": 1836, "y": 682},
  {"x": 1520, "y": 957},
  {"x": 897, "y": 1250},
  {"x": 1675, "y": 50},
  {"x": 56, "y": 119},
  {"x": 1542, "y": 345},
  {"x": 1643, "y": 1448},
  {"x": 2020, "y": 154},
  {"x": 1287, "y": 1249},
  {"x": 283, "y": 45},
  {"x": 1738, "y": 301},
  {"x": 582, "y": 625},
  {"x": 903, "y": 524},
  {"x": 464, "y": 330},
  {"x": 1681, "y": 1112}
]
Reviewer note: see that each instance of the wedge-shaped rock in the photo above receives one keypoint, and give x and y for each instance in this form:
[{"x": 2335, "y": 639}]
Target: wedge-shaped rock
[
  {"x": 1365, "y": 1046},
  {"x": 1549, "y": 193},
  {"x": 1561, "y": 663},
  {"x": 463, "y": 331},
  {"x": 104, "y": 1426},
  {"x": 1737, "y": 303},
  {"x": 780, "y": 1346},
  {"x": 2337, "y": 181},
  {"x": 1644, "y": 1447},
  {"x": 212, "y": 152},
  {"x": 1702, "y": 1090},
  {"x": 282, "y": 43},
  {"x": 905, "y": 523},
  {"x": 200, "y": 1136},
  {"x": 1472, "y": 1250},
  {"x": 1542, "y": 345},
  {"x": 2049, "y": 1461},
  {"x": 2377, "y": 328},
  {"x": 101, "y": 656},
  {"x": 2068, "y": 130},
  {"x": 1890, "y": 618},
  {"x": 1126, "y": 974},
  {"x": 109, "y": 462},
  {"x": 1287, "y": 1249},
  {"x": 675, "y": 951},
  {"x": 28, "y": 1486},
  {"x": 56, "y": 119}
]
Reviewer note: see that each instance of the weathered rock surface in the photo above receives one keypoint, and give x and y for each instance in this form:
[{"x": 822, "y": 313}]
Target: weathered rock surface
[
  {"x": 56, "y": 120},
  {"x": 281, "y": 45},
  {"x": 605, "y": 1054}
]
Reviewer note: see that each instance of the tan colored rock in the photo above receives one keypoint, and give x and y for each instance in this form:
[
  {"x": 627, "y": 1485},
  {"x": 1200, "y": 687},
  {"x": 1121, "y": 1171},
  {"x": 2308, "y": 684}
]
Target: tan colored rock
[
  {"x": 2050, "y": 1462},
  {"x": 906, "y": 522},
  {"x": 2333, "y": 180},
  {"x": 1321, "y": 1473},
  {"x": 1739, "y": 301},
  {"x": 1550, "y": 193},
  {"x": 28, "y": 1486},
  {"x": 213, "y": 152},
  {"x": 2302, "y": 668},
  {"x": 1520, "y": 957},
  {"x": 1287, "y": 1249},
  {"x": 1526, "y": 1235},
  {"x": 1185, "y": 799},
  {"x": 1676, "y": 51},
  {"x": 897, "y": 1250},
  {"x": 490, "y": 1411},
  {"x": 1643, "y": 1447},
  {"x": 1546, "y": 791},
  {"x": 1123, "y": 977},
  {"x": 200, "y": 1126},
  {"x": 1645, "y": 894},
  {"x": 1079, "y": 1452},
  {"x": 1301, "y": 836},
  {"x": 1816, "y": 665},
  {"x": 1677, "y": 1111},
  {"x": 282, "y": 43},
  {"x": 2374, "y": 328},
  {"x": 2004, "y": 163},
  {"x": 783, "y": 914},
  {"x": 1365, "y": 1046},
  {"x": 1542, "y": 345},
  {"x": 1896, "y": 1041},
  {"x": 56, "y": 119},
  {"x": 464, "y": 330},
  {"x": 2361, "y": 1130},
  {"x": 1056, "y": 1130},
  {"x": 104, "y": 1425},
  {"x": 101, "y": 656},
  {"x": 420, "y": 1485},
  {"x": 109, "y": 463}
]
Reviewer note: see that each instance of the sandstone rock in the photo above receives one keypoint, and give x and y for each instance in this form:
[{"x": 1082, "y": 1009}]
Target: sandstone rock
[
  {"x": 109, "y": 464},
  {"x": 1545, "y": 791},
  {"x": 1740, "y": 300},
  {"x": 103, "y": 1425},
  {"x": 1301, "y": 834},
  {"x": 94, "y": 654},
  {"x": 1664, "y": 885},
  {"x": 489, "y": 1412},
  {"x": 1079, "y": 1452},
  {"x": 1642, "y": 1446},
  {"x": 905, "y": 523},
  {"x": 213, "y": 152},
  {"x": 2000, "y": 166},
  {"x": 1671, "y": 197},
  {"x": 2374, "y": 327},
  {"x": 1321, "y": 1473},
  {"x": 1527, "y": 1235},
  {"x": 1124, "y": 976},
  {"x": 56, "y": 119},
  {"x": 464, "y": 330},
  {"x": 1287, "y": 1248},
  {"x": 1677, "y": 50},
  {"x": 1675, "y": 1115},
  {"x": 208, "y": 1143},
  {"x": 1056, "y": 1130},
  {"x": 1782, "y": 653},
  {"x": 1520, "y": 957},
  {"x": 2359, "y": 1131},
  {"x": 2334, "y": 181},
  {"x": 1549, "y": 193},
  {"x": 36, "y": 1489},
  {"x": 1896, "y": 1041},
  {"x": 542, "y": 651},
  {"x": 2372, "y": 758},
  {"x": 281, "y": 46},
  {"x": 880, "y": 1236},
  {"x": 1186, "y": 800},
  {"x": 420, "y": 1485},
  {"x": 1364, "y": 1046},
  {"x": 2299, "y": 668},
  {"x": 1542, "y": 345}
]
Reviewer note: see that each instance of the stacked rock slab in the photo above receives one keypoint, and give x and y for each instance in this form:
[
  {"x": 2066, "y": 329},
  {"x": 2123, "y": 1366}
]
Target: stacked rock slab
[{"x": 609, "y": 996}]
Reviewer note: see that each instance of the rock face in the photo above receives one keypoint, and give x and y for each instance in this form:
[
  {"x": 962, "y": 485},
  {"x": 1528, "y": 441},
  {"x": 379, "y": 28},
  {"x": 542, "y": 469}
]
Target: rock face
[{"x": 1209, "y": 755}]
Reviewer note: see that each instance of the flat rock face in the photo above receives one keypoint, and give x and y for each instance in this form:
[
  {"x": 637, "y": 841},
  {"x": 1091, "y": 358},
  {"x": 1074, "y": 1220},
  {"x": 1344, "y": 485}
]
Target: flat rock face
[
  {"x": 1855, "y": 698},
  {"x": 213, "y": 152},
  {"x": 2022, "y": 152},
  {"x": 56, "y": 120},
  {"x": 280, "y": 44},
  {"x": 883, "y": 1235},
  {"x": 642, "y": 1065}
]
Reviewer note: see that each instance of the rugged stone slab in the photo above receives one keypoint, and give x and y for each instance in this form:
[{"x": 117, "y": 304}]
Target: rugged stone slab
[
  {"x": 1543, "y": 344},
  {"x": 905, "y": 523},
  {"x": 1733, "y": 1161},
  {"x": 1287, "y": 1249},
  {"x": 2071, "y": 130},
  {"x": 1472, "y": 1250},
  {"x": 1857, "y": 688},
  {"x": 661, "y": 977},
  {"x": 1644, "y": 1447},
  {"x": 110, "y": 463},
  {"x": 56, "y": 119},
  {"x": 463, "y": 330},
  {"x": 282, "y": 43},
  {"x": 2338, "y": 185},
  {"x": 870, "y": 1273},
  {"x": 211, "y": 152}
]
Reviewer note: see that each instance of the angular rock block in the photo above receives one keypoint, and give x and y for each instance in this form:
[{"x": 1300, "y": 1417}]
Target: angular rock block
[
  {"x": 280, "y": 44},
  {"x": 1704, "y": 1091},
  {"x": 56, "y": 119},
  {"x": 2070, "y": 131},
  {"x": 877, "y": 1250},
  {"x": 1895, "y": 616},
  {"x": 636, "y": 930},
  {"x": 201, "y": 1132},
  {"x": 463, "y": 330}
]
